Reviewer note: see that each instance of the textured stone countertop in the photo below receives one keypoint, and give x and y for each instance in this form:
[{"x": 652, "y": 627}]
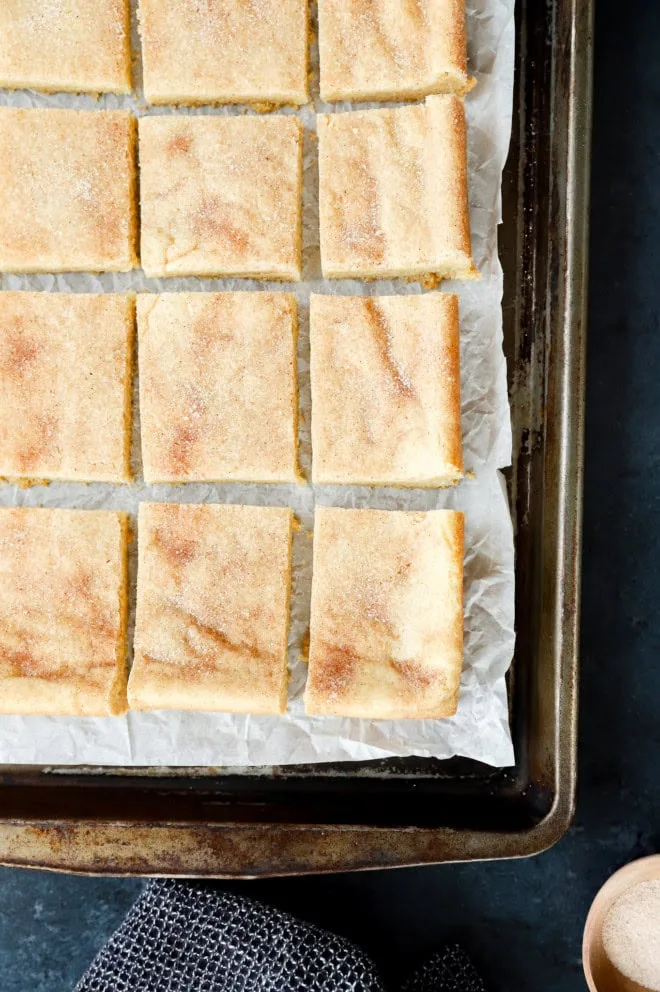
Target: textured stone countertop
[{"x": 521, "y": 921}]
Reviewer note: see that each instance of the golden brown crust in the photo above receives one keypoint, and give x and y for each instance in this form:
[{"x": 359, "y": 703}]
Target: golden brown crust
[
  {"x": 233, "y": 51},
  {"x": 218, "y": 393},
  {"x": 386, "y": 390},
  {"x": 67, "y": 190},
  {"x": 63, "y": 612},
  {"x": 393, "y": 192},
  {"x": 392, "y": 49},
  {"x": 387, "y": 614},
  {"x": 221, "y": 196},
  {"x": 80, "y": 46},
  {"x": 449, "y": 131},
  {"x": 65, "y": 386},
  {"x": 212, "y": 608}
]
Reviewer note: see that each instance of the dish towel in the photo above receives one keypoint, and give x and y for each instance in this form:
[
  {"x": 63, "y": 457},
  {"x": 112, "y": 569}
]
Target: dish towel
[{"x": 182, "y": 937}]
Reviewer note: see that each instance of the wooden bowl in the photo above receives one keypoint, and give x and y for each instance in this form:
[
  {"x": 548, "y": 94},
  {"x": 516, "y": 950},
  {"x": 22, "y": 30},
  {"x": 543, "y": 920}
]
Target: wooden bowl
[{"x": 600, "y": 973}]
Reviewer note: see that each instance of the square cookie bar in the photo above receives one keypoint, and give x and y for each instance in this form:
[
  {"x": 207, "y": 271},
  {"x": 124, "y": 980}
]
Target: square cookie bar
[
  {"x": 63, "y": 588},
  {"x": 74, "y": 46},
  {"x": 67, "y": 191},
  {"x": 386, "y": 405},
  {"x": 218, "y": 396},
  {"x": 221, "y": 196},
  {"x": 228, "y": 51},
  {"x": 212, "y": 608},
  {"x": 386, "y": 636},
  {"x": 392, "y": 49},
  {"x": 393, "y": 193},
  {"x": 65, "y": 386}
]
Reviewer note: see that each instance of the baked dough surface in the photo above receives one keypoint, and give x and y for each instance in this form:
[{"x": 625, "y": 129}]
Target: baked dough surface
[
  {"x": 225, "y": 51},
  {"x": 212, "y": 608},
  {"x": 218, "y": 395},
  {"x": 67, "y": 190},
  {"x": 392, "y": 49},
  {"x": 221, "y": 196},
  {"x": 65, "y": 386},
  {"x": 385, "y": 374},
  {"x": 65, "y": 45},
  {"x": 393, "y": 192},
  {"x": 387, "y": 614},
  {"x": 63, "y": 611}
]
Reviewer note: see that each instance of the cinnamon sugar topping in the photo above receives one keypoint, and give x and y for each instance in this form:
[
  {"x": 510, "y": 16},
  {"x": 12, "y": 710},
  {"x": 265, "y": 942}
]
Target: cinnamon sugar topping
[
  {"x": 218, "y": 393},
  {"x": 221, "y": 195},
  {"x": 67, "y": 193},
  {"x": 225, "y": 51},
  {"x": 212, "y": 613},
  {"x": 65, "y": 45},
  {"x": 65, "y": 386},
  {"x": 387, "y": 614},
  {"x": 62, "y": 612},
  {"x": 392, "y": 49},
  {"x": 393, "y": 192},
  {"x": 386, "y": 390}
]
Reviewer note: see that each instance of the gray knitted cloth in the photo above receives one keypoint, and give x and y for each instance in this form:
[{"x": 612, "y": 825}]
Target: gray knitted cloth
[{"x": 182, "y": 937}]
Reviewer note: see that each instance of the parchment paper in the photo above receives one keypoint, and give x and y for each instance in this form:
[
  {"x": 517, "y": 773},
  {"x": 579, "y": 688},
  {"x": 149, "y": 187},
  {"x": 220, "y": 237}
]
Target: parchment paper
[{"x": 480, "y": 728}]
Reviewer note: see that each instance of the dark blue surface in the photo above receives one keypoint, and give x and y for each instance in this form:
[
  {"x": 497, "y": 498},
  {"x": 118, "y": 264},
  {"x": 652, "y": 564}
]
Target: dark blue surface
[{"x": 521, "y": 921}]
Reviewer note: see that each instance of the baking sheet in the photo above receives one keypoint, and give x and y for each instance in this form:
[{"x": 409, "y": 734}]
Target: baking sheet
[{"x": 480, "y": 728}]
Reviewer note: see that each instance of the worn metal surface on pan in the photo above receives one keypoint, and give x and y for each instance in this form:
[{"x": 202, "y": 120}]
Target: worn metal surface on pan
[{"x": 206, "y": 822}]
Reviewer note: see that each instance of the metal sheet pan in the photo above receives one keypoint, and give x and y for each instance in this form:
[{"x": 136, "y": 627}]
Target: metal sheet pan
[{"x": 201, "y": 822}]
